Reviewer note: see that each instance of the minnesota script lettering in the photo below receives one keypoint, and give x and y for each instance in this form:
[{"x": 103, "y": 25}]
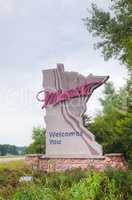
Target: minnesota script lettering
[{"x": 59, "y": 96}]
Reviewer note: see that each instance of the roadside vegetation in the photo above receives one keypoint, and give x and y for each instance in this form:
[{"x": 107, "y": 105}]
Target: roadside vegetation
[{"x": 70, "y": 185}]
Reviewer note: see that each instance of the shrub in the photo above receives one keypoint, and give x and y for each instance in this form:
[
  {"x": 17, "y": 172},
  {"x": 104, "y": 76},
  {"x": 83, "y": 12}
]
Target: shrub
[
  {"x": 70, "y": 185},
  {"x": 10, "y": 174},
  {"x": 123, "y": 181}
]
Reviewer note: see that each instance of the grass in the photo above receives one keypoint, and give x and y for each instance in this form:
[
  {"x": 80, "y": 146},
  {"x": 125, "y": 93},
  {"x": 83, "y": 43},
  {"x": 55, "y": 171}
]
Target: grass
[
  {"x": 70, "y": 185},
  {"x": 16, "y": 164},
  {"x": 10, "y": 173}
]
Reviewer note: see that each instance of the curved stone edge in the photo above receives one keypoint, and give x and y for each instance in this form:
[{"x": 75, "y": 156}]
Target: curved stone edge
[{"x": 45, "y": 163}]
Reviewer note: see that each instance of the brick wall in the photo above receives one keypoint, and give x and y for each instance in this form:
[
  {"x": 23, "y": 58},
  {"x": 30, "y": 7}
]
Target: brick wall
[{"x": 51, "y": 164}]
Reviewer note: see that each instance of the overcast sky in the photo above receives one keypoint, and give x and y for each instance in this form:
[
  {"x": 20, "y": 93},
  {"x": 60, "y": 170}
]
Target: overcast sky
[{"x": 35, "y": 35}]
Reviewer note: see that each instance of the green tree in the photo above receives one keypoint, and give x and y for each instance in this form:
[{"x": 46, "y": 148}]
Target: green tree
[
  {"x": 114, "y": 30},
  {"x": 8, "y": 149},
  {"x": 113, "y": 127},
  {"x": 39, "y": 141}
]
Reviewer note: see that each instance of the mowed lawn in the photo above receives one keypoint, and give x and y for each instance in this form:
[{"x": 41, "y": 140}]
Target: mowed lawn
[
  {"x": 11, "y": 158},
  {"x": 11, "y": 161}
]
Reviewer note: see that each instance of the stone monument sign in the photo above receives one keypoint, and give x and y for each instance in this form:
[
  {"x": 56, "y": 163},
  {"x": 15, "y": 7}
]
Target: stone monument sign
[
  {"x": 69, "y": 144},
  {"x": 65, "y": 97}
]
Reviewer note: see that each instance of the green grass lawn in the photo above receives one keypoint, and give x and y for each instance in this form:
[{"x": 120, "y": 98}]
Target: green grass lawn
[
  {"x": 16, "y": 164},
  {"x": 70, "y": 185}
]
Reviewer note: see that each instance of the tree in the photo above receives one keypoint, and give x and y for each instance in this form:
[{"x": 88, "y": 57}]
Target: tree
[
  {"x": 39, "y": 141},
  {"x": 8, "y": 149},
  {"x": 113, "y": 128},
  {"x": 114, "y": 30}
]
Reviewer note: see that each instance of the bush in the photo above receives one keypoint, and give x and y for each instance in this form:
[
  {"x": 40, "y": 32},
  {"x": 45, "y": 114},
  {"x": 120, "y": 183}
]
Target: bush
[
  {"x": 123, "y": 181},
  {"x": 95, "y": 187},
  {"x": 70, "y": 185},
  {"x": 33, "y": 192},
  {"x": 10, "y": 174}
]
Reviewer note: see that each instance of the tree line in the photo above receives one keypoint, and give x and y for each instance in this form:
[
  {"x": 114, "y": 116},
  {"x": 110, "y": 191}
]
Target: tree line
[{"x": 7, "y": 149}]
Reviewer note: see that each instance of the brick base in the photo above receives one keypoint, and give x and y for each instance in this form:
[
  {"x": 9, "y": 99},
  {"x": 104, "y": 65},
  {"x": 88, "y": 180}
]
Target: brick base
[{"x": 51, "y": 164}]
